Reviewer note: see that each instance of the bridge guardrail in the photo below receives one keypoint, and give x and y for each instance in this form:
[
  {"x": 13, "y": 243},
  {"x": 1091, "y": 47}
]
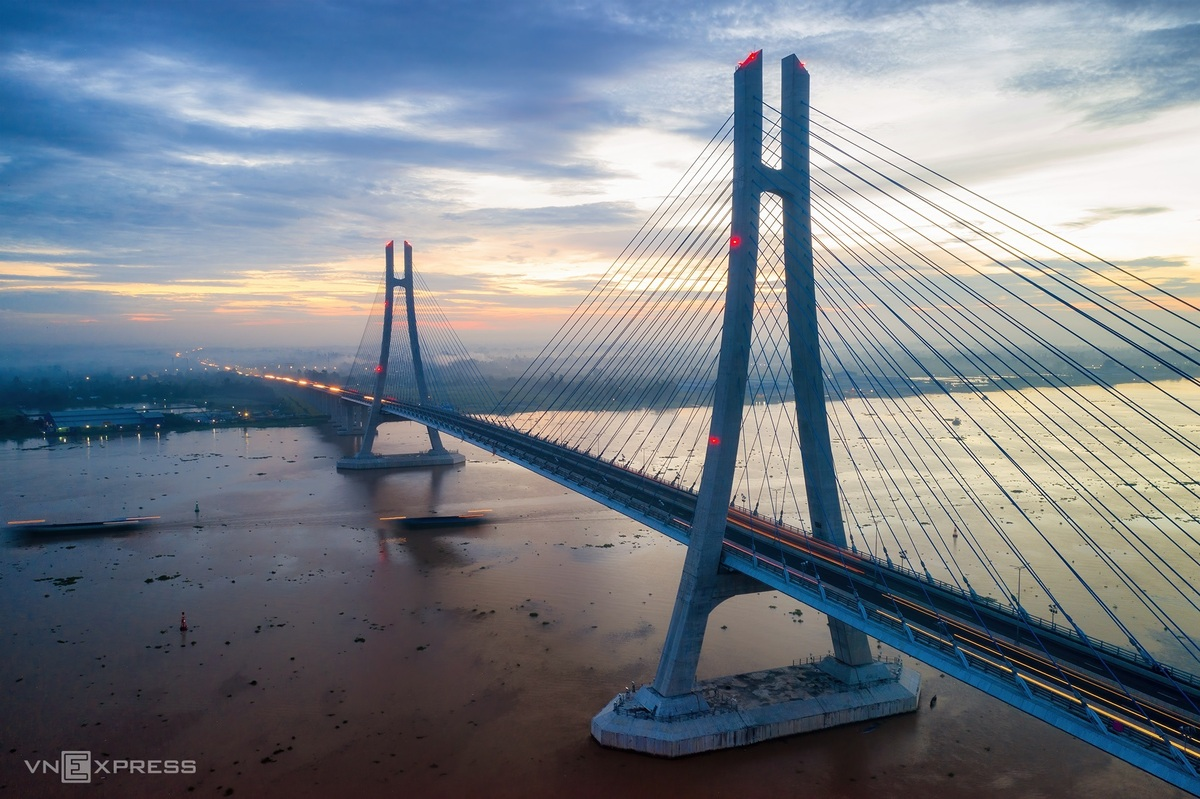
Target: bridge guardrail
[
  {"x": 1060, "y": 630},
  {"x": 1131, "y": 732}
]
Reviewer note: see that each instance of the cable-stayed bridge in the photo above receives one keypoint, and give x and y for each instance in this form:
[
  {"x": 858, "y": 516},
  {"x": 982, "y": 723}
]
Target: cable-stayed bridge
[{"x": 837, "y": 374}]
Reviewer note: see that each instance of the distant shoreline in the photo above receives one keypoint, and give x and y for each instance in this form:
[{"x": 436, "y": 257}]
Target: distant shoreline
[{"x": 172, "y": 423}]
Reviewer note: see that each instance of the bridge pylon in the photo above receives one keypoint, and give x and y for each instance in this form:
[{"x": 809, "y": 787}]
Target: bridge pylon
[
  {"x": 437, "y": 454},
  {"x": 674, "y": 715}
]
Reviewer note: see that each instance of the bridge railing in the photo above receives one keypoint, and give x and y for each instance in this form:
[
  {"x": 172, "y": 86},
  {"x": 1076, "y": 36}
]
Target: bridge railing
[
  {"x": 1076, "y": 706},
  {"x": 885, "y": 566}
]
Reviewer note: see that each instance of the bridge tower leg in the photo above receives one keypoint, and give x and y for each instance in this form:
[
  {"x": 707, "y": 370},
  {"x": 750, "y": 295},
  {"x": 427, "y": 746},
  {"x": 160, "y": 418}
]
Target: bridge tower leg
[
  {"x": 674, "y": 715},
  {"x": 437, "y": 455},
  {"x": 850, "y": 646},
  {"x": 347, "y": 417}
]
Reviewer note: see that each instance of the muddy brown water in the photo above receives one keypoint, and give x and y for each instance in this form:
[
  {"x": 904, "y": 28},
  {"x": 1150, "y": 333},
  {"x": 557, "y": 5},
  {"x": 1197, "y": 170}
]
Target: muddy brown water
[{"x": 328, "y": 653}]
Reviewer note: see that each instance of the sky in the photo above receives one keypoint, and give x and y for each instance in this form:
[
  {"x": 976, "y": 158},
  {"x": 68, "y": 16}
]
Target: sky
[{"x": 216, "y": 173}]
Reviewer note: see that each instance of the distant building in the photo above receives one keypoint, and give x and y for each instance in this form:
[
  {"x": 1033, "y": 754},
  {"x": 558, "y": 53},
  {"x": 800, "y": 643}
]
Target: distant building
[{"x": 99, "y": 420}]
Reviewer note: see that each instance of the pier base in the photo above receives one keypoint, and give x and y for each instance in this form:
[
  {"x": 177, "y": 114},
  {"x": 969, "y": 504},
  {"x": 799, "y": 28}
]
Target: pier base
[
  {"x": 747, "y": 708},
  {"x": 414, "y": 460}
]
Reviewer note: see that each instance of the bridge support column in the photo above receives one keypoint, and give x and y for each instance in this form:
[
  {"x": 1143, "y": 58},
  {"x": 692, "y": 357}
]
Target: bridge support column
[
  {"x": 348, "y": 418},
  {"x": 437, "y": 455},
  {"x": 674, "y": 715}
]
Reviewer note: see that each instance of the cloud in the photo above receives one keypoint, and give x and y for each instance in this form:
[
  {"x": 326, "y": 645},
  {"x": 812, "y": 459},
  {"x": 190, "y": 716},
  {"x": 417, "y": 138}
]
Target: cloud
[
  {"x": 1098, "y": 215},
  {"x": 1157, "y": 262},
  {"x": 585, "y": 215},
  {"x": 189, "y": 151},
  {"x": 1141, "y": 72}
]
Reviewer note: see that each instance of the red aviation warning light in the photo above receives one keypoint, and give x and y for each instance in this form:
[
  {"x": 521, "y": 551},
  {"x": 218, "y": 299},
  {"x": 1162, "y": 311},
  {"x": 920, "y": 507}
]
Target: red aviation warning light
[
  {"x": 714, "y": 441},
  {"x": 379, "y": 369},
  {"x": 390, "y": 243},
  {"x": 750, "y": 59},
  {"x": 735, "y": 241}
]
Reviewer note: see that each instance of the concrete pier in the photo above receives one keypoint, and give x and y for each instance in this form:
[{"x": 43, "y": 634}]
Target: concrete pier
[{"x": 748, "y": 708}]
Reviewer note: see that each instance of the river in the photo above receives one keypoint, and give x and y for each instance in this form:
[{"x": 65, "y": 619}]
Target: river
[{"x": 329, "y": 653}]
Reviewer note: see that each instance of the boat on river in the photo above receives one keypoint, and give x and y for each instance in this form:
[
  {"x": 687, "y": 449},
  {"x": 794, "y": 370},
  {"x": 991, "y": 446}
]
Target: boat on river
[
  {"x": 107, "y": 525},
  {"x": 468, "y": 519}
]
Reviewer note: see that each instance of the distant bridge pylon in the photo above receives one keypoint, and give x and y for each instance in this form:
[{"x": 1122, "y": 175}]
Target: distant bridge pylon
[{"x": 437, "y": 454}]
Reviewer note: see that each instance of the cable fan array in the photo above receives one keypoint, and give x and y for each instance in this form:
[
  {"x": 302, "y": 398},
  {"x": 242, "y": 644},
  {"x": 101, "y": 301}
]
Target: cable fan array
[
  {"x": 1065, "y": 457},
  {"x": 361, "y": 377},
  {"x": 629, "y": 376},
  {"x": 1010, "y": 414}
]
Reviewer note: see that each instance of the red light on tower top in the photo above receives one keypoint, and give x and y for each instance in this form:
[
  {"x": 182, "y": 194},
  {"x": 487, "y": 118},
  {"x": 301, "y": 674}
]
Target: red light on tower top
[
  {"x": 750, "y": 59},
  {"x": 389, "y": 244}
]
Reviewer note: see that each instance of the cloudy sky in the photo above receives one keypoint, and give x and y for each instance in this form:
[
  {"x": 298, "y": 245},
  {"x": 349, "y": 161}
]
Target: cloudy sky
[{"x": 227, "y": 173}]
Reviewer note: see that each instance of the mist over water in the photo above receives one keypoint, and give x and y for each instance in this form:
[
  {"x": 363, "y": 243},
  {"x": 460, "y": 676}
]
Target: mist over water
[{"x": 329, "y": 652}]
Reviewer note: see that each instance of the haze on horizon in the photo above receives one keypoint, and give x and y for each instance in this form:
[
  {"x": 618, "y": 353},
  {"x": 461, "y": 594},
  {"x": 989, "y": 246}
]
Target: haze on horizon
[{"x": 226, "y": 174}]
